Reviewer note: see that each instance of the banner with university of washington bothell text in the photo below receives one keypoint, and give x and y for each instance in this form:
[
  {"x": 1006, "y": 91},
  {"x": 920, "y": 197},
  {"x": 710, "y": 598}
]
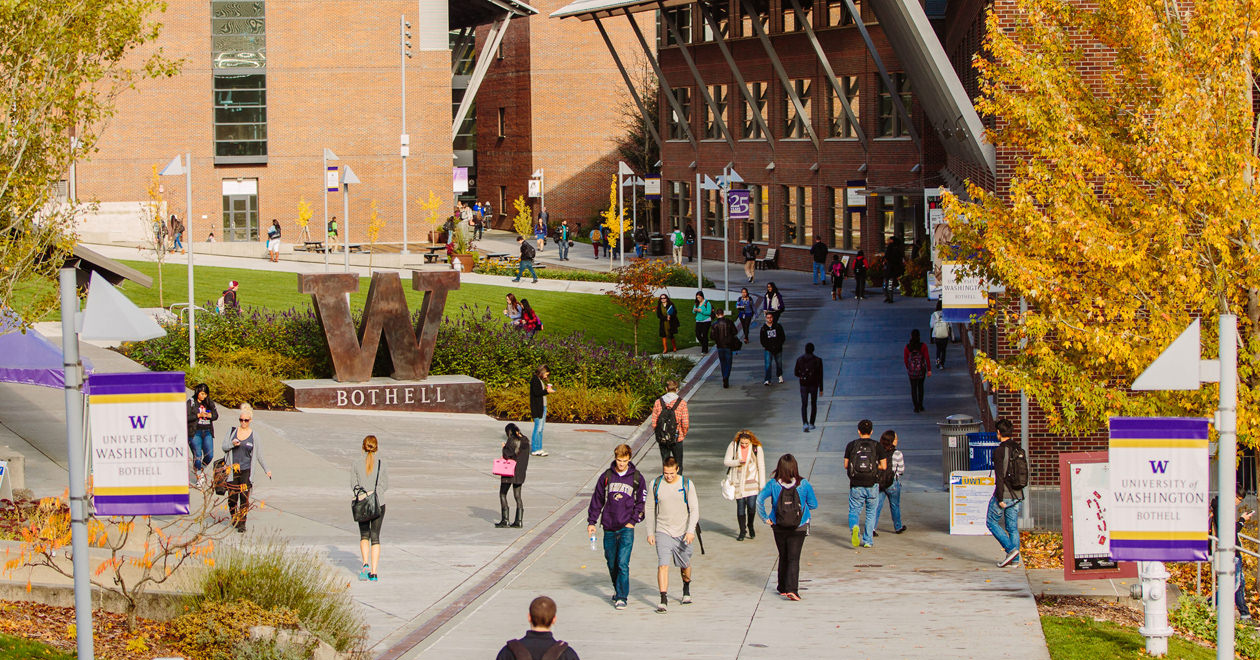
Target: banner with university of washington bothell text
[{"x": 139, "y": 444}]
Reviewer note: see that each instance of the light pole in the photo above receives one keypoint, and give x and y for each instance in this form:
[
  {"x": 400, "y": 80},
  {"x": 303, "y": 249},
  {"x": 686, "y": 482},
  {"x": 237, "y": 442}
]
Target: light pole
[
  {"x": 730, "y": 177},
  {"x": 347, "y": 178},
  {"x": 623, "y": 171},
  {"x": 541, "y": 175},
  {"x": 404, "y": 48},
  {"x": 330, "y": 185},
  {"x": 175, "y": 168}
]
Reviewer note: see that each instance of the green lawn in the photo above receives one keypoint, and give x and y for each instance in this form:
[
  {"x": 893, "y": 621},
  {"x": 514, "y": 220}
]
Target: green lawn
[
  {"x": 1076, "y": 638},
  {"x": 561, "y": 313},
  {"x": 16, "y": 648}
]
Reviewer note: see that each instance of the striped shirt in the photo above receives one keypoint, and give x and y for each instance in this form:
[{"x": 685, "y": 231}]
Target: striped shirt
[
  {"x": 897, "y": 463},
  {"x": 680, "y": 413}
]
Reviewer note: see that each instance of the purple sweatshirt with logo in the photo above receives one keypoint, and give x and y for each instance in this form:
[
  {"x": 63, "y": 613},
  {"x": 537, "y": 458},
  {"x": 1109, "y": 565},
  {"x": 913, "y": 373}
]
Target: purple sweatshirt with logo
[{"x": 618, "y": 500}]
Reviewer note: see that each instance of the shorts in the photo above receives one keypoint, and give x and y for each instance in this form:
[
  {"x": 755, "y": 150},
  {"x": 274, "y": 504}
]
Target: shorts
[
  {"x": 273, "y": 245},
  {"x": 672, "y": 548}
]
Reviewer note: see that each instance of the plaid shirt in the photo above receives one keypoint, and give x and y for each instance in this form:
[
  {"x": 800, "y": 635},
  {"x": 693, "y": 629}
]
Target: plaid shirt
[{"x": 684, "y": 421}]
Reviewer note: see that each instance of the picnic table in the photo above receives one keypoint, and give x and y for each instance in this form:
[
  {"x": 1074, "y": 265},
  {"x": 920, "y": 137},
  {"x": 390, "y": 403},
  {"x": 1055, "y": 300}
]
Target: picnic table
[
  {"x": 432, "y": 256},
  {"x": 313, "y": 246}
]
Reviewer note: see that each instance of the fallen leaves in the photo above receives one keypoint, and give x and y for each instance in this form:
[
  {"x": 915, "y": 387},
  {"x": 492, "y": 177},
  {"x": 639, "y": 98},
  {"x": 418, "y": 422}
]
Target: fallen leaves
[{"x": 111, "y": 639}]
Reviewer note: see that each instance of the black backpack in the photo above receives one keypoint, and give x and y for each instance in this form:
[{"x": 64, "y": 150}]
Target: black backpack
[
  {"x": 1016, "y": 477},
  {"x": 864, "y": 462},
  {"x": 787, "y": 511},
  {"x": 667, "y": 423},
  {"x": 527, "y": 251},
  {"x": 918, "y": 363},
  {"x": 521, "y": 653}
]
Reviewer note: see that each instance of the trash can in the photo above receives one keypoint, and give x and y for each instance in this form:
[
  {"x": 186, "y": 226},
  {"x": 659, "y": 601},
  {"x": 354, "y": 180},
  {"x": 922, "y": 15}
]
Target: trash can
[
  {"x": 954, "y": 432},
  {"x": 657, "y": 245},
  {"x": 980, "y": 446}
]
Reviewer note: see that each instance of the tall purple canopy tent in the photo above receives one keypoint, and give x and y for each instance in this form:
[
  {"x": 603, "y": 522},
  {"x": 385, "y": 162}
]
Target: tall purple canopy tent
[{"x": 28, "y": 357}]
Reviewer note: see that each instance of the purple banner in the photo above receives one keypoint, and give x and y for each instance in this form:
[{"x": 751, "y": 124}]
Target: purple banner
[
  {"x": 139, "y": 444},
  {"x": 739, "y": 203}
]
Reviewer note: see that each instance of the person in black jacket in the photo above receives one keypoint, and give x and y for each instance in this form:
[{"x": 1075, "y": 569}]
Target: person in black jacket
[
  {"x": 772, "y": 338},
  {"x": 894, "y": 266},
  {"x": 819, "y": 253},
  {"x": 809, "y": 368},
  {"x": 527, "y": 260},
  {"x": 667, "y": 315},
  {"x": 515, "y": 448},
  {"x": 539, "y": 388},
  {"x": 1003, "y": 516},
  {"x": 201, "y": 415},
  {"x": 726, "y": 339},
  {"x": 538, "y": 640}
]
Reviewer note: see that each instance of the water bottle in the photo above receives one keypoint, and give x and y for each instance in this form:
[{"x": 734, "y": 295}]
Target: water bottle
[{"x": 592, "y": 542}]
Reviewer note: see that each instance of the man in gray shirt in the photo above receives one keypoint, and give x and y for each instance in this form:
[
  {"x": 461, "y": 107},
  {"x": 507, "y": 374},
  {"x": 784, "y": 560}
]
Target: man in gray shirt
[{"x": 674, "y": 510}]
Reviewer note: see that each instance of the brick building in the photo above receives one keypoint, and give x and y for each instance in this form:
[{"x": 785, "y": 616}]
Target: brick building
[{"x": 265, "y": 88}]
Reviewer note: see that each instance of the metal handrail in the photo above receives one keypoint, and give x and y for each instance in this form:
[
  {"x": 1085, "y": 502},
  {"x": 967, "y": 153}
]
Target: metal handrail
[
  {"x": 1237, "y": 548},
  {"x": 183, "y": 308}
]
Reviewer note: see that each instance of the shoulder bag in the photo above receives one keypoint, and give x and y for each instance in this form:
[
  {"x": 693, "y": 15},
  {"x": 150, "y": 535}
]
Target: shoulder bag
[
  {"x": 728, "y": 486},
  {"x": 365, "y": 506}
]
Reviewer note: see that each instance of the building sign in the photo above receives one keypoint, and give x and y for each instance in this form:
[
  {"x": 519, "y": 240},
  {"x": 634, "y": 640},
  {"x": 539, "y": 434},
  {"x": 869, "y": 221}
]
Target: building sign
[
  {"x": 535, "y": 187},
  {"x": 330, "y": 179},
  {"x": 969, "y": 494},
  {"x": 139, "y": 444},
  {"x": 933, "y": 210},
  {"x": 652, "y": 186},
  {"x": 738, "y": 203},
  {"x": 1085, "y": 497},
  {"x": 459, "y": 179},
  {"x": 855, "y": 198},
  {"x": 963, "y": 297},
  {"x": 1159, "y": 488}
]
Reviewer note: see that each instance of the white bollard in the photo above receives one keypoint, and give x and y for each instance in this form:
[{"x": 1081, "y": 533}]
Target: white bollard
[{"x": 1154, "y": 594}]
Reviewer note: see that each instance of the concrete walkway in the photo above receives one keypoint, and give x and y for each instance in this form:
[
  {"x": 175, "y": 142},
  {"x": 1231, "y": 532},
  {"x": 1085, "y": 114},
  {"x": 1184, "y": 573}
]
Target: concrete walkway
[{"x": 921, "y": 594}]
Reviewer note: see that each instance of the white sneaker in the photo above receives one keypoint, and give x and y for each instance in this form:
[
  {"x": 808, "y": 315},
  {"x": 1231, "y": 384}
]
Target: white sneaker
[
  {"x": 780, "y": 379},
  {"x": 1010, "y": 557},
  {"x": 661, "y": 607},
  {"x": 686, "y": 599},
  {"x": 540, "y": 452}
]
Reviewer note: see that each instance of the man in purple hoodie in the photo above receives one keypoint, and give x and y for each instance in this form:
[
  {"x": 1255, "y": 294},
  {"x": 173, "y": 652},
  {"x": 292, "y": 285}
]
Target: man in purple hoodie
[{"x": 618, "y": 503}]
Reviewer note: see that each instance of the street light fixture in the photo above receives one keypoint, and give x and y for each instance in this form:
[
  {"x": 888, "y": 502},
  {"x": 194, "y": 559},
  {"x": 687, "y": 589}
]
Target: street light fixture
[
  {"x": 347, "y": 178},
  {"x": 329, "y": 185},
  {"x": 175, "y": 168},
  {"x": 404, "y": 48}
]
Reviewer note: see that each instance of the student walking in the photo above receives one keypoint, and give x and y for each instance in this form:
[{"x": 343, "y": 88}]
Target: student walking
[
  {"x": 774, "y": 301},
  {"x": 746, "y": 307},
  {"x": 772, "y": 339},
  {"x": 745, "y": 462},
  {"x": 667, "y": 316},
  {"x": 918, "y": 367},
  {"x": 515, "y": 448},
  {"x": 859, "y": 276},
  {"x": 527, "y": 260},
  {"x": 673, "y": 512},
  {"x": 332, "y": 233},
  {"x": 538, "y": 642},
  {"x": 1010, "y": 476},
  {"x": 370, "y": 477},
  {"x": 863, "y": 460},
  {"x": 809, "y": 369},
  {"x": 177, "y": 234},
  {"x": 242, "y": 448},
  {"x": 890, "y": 481},
  {"x": 678, "y": 240},
  {"x": 791, "y": 501},
  {"x": 562, "y": 240},
  {"x": 726, "y": 340},
  {"x": 228, "y": 302},
  {"x": 618, "y": 504},
  {"x": 837, "y": 278},
  {"x": 670, "y": 422},
  {"x": 690, "y": 233},
  {"x": 940, "y": 334},
  {"x": 640, "y": 242},
  {"x": 539, "y": 388},
  {"x": 894, "y": 266},
  {"x": 751, "y": 252},
  {"x": 273, "y": 240},
  {"x": 201, "y": 416},
  {"x": 819, "y": 252},
  {"x": 596, "y": 237},
  {"x": 703, "y": 311}
]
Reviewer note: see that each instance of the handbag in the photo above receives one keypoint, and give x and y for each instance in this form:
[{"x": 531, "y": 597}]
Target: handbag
[
  {"x": 220, "y": 477},
  {"x": 365, "y": 506},
  {"x": 728, "y": 488},
  {"x": 503, "y": 467}
]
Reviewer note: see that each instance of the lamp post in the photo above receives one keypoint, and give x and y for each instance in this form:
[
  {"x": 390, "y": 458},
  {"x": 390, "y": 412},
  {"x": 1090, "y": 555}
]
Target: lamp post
[
  {"x": 404, "y": 47},
  {"x": 730, "y": 177},
  {"x": 347, "y": 178},
  {"x": 541, "y": 175},
  {"x": 330, "y": 185},
  {"x": 623, "y": 170},
  {"x": 175, "y": 168}
]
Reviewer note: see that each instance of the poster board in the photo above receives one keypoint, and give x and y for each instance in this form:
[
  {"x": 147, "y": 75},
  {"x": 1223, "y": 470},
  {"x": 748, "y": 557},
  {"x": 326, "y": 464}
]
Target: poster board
[
  {"x": 969, "y": 494},
  {"x": 964, "y": 298},
  {"x": 1084, "y": 490}
]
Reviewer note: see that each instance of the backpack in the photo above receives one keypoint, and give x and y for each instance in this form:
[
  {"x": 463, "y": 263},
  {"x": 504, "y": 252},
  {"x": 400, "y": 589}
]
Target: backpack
[
  {"x": 787, "y": 511},
  {"x": 667, "y": 423},
  {"x": 527, "y": 251},
  {"x": 940, "y": 329},
  {"x": 918, "y": 363},
  {"x": 865, "y": 462},
  {"x": 679, "y": 239},
  {"x": 521, "y": 653},
  {"x": 218, "y": 306},
  {"x": 656, "y": 486},
  {"x": 1016, "y": 477},
  {"x": 808, "y": 371},
  {"x": 886, "y": 478}
]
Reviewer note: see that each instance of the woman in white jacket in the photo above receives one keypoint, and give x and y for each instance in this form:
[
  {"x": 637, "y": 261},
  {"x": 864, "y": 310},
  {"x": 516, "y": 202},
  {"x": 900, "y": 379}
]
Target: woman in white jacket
[{"x": 745, "y": 461}]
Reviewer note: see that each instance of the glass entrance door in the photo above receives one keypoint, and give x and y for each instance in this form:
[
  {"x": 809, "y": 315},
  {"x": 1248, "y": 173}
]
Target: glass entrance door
[{"x": 240, "y": 217}]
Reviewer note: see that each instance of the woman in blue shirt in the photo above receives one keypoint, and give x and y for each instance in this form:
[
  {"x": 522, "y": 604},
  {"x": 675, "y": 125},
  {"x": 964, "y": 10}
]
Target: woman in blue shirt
[
  {"x": 797, "y": 498},
  {"x": 704, "y": 318}
]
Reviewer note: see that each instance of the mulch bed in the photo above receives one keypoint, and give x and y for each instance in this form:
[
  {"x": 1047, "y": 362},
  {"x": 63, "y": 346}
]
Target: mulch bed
[{"x": 111, "y": 639}]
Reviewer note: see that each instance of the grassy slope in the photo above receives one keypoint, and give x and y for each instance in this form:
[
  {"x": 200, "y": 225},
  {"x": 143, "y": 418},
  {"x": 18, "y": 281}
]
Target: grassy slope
[
  {"x": 1075, "y": 638},
  {"x": 561, "y": 313},
  {"x": 15, "y": 648}
]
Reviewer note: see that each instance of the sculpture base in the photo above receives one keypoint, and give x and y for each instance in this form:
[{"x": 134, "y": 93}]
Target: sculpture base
[{"x": 451, "y": 394}]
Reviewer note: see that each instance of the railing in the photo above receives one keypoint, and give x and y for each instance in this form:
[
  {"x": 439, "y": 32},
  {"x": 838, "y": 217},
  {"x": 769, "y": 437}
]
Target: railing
[{"x": 180, "y": 309}]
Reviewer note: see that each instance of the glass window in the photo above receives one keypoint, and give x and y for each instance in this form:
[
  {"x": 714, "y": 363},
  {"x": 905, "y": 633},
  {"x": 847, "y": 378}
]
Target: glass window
[
  {"x": 711, "y": 130},
  {"x": 794, "y": 123},
  {"x": 721, "y": 15},
  {"x": 752, "y": 127},
  {"x": 238, "y": 52},
  {"x": 681, "y": 16},
  {"x": 757, "y": 226},
  {"x": 240, "y": 115},
  {"x": 838, "y": 13},
  {"x": 891, "y": 123},
  {"x": 502, "y": 122},
  {"x": 746, "y": 20},
  {"x": 897, "y": 211},
  {"x": 798, "y": 215},
  {"x": 503, "y": 200},
  {"x": 846, "y": 221},
  {"x": 790, "y": 22},
  {"x": 679, "y": 204},
  {"x": 840, "y": 125},
  {"x": 678, "y": 126}
]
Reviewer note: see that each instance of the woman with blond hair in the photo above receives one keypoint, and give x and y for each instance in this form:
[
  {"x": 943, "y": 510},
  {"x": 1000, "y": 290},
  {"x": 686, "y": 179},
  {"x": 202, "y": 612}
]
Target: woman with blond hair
[
  {"x": 746, "y": 471},
  {"x": 370, "y": 476},
  {"x": 241, "y": 445}
]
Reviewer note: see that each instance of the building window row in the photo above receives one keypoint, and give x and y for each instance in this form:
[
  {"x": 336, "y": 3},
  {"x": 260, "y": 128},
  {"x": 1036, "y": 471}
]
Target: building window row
[
  {"x": 239, "y": 85},
  {"x": 819, "y": 14}
]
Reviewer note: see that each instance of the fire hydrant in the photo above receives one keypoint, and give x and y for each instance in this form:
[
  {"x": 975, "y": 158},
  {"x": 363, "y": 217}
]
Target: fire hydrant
[{"x": 1153, "y": 591}]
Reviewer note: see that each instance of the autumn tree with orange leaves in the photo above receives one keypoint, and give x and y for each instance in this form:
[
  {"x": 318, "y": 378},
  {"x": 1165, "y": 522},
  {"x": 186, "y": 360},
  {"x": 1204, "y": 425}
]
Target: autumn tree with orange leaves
[{"x": 636, "y": 290}]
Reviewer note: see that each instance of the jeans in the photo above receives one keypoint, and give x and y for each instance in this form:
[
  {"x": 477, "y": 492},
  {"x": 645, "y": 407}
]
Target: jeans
[
  {"x": 535, "y": 441},
  {"x": 864, "y": 506},
  {"x": 702, "y": 335},
  {"x": 820, "y": 273},
  {"x": 789, "y": 542},
  {"x": 638, "y": 250},
  {"x": 893, "y": 495},
  {"x": 859, "y": 285},
  {"x": 809, "y": 400},
  {"x": 1003, "y": 523},
  {"x": 674, "y": 450},
  {"x": 617, "y": 547},
  {"x": 202, "y": 445},
  {"x": 746, "y": 512},
  {"x": 725, "y": 356},
  {"x": 1240, "y": 586},
  {"x": 777, "y": 359},
  {"x": 916, "y": 393},
  {"x": 526, "y": 264},
  {"x": 563, "y": 246},
  {"x": 890, "y": 286},
  {"x": 745, "y": 322},
  {"x": 178, "y": 243},
  {"x": 596, "y": 246},
  {"x": 941, "y": 345}
]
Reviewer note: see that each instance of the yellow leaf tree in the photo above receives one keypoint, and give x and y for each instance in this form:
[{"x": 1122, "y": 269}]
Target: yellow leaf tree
[
  {"x": 375, "y": 225},
  {"x": 523, "y": 223},
  {"x": 615, "y": 221},
  {"x": 428, "y": 212},
  {"x": 1132, "y": 206},
  {"x": 304, "y": 219}
]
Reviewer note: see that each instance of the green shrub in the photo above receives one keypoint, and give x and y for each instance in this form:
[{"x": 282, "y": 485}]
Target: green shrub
[
  {"x": 268, "y": 650},
  {"x": 572, "y": 404},
  {"x": 233, "y": 385},
  {"x": 678, "y": 275},
  {"x": 274, "y": 574},
  {"x": 278, "y": 364},
  {"x": 1196, "y": 615},
  {"x": 213, "y": 630}
]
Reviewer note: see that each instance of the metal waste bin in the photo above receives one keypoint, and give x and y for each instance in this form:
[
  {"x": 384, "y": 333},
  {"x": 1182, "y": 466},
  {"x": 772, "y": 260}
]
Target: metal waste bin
[
  {"x": 980, "y": 448},
  {"x": 954, "y": 454},
  {"x": 657, "y": 245}
]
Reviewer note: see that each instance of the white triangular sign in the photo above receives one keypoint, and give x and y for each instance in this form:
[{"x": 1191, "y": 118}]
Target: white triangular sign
[
  {"x": 173, "y": 168},
  {"x": 1177, "y": 368},
  {"x": 111, "y": 316}
]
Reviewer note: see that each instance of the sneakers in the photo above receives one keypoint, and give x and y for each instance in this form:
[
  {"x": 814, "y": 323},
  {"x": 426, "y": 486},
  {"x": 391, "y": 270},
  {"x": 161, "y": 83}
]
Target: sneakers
[
  {"x": 805, "y": 428},
  {"x": 363, "y": 573},
  {"x": 867, "y": 545},
  {"x": 540, "y": 452},
  {"x": 1010, "y": 558},
  {"x": 873, "y": 534},
  {"x": 791, "y": 596},
  {"x": 766, "y": 383},
  {"x": 619, "y": 604},
  {"x": 661, "y": 607},
  {"x": 857, "y": 536},
  {"x": 903, "y": 528},
  {"x": 686, "y": 599},
  {"x": 812, "y": 427},
  {"x": 371, "y": 577},
  {"x": 780, "y": 379}
]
